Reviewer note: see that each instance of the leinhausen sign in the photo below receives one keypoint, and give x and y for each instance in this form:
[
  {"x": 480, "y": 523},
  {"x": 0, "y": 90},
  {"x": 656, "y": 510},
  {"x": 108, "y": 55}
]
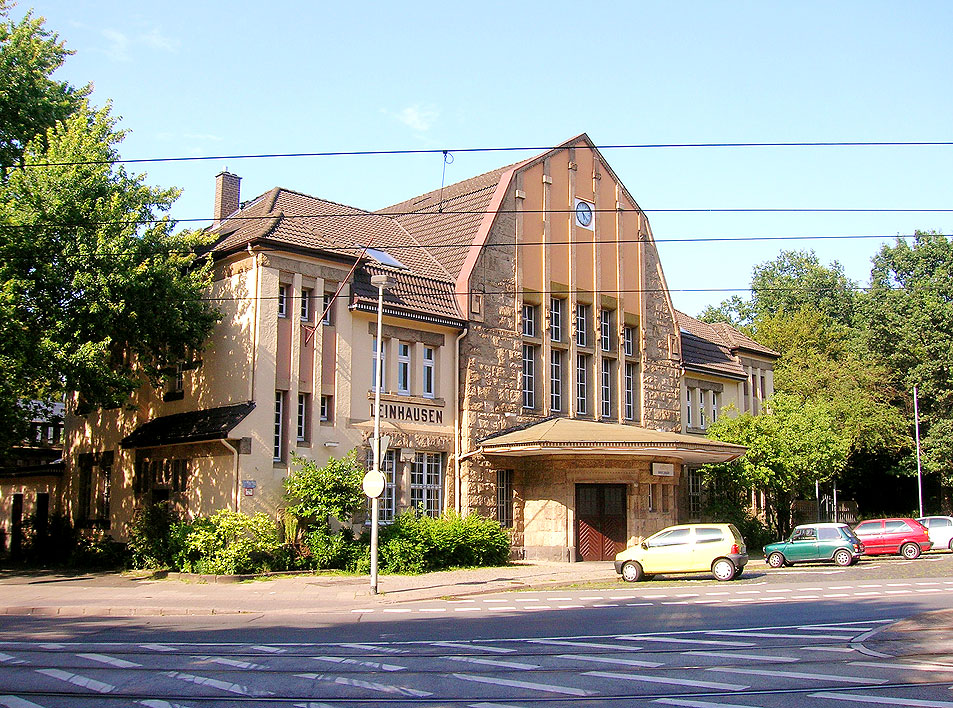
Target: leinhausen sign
[{"x": 415, "y": 414}]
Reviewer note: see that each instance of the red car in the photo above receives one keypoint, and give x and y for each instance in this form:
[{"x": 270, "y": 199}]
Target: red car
[{"x": 904, "y": 536}]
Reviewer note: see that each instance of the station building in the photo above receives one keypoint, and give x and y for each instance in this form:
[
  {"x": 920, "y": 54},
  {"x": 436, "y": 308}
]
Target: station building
[{"x": 535, "y": 370}]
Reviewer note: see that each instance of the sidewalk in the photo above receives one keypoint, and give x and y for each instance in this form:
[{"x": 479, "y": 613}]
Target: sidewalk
[{"x": 118, "y": 595}]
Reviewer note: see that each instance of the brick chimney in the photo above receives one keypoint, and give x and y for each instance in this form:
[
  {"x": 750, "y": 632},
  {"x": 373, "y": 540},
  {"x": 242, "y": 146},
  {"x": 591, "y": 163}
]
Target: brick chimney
[{"x": 227, "y": 195}]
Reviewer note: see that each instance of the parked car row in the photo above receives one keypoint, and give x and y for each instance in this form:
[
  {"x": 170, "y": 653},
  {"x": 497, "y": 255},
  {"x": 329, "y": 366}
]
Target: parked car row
[{"x": 720, "y": 549}]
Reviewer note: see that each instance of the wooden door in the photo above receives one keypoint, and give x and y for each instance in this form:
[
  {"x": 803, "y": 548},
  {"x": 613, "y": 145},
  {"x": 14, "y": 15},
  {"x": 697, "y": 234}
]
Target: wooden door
[{"x": 600, "y": 521}]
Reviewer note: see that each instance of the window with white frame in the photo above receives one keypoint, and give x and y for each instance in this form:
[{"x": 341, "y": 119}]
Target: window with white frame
[
  {"x": 582, "y": 384},
  {"x": 714, "y": 406},
  {"x": 304, "y": 401},
  {"x": 694, "y": 492},
  {"x": 702, "y": 412},
  {"x": 504, "y": 498},
  {"x": 529, "y": 320},
  {"x": 606, "y": 388},
  {"x": 556, "y": 381},
  {"x": 388, "y": 498},
  {"x": 688, "y": 407},
  {"x": 327, "y": 306},
  {"x": 327, "y": 408},
  {"x": 428, "y": 372},
  {"x": 403, "y": 368},
  {"x": 651, "y": 497},
  {"x": 628, "y": 341},
  {"x": 529, "y": 376},
  {"x": 282, "y": 301},
  {"x": 279, "y": 425},
  {"x": 582, "y": 325},
  {"x": 305, "y": 304},
  {"x": 556, "y": 319},
  {"x": 383, "y": 355},
  {"x": 630, "y": 382},
  {"x": 426, "y": 482},
  {"x": 605, "y": 330}
]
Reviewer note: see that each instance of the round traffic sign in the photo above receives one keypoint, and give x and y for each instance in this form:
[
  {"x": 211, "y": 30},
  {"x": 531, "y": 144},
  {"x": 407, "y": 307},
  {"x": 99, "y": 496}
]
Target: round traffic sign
[{"x": 374, "y": 483}]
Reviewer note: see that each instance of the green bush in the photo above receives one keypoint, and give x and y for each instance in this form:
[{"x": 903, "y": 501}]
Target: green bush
[
  {"x": 417, "y": 543},
  {"x": 227, "y": 543},
  {"x": 151, "y": 541},
  {"x": 323, "y": 549}
]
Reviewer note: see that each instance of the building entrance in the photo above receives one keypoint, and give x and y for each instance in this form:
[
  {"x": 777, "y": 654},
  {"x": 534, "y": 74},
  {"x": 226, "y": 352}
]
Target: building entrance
[{"x": 600, "y": 521}]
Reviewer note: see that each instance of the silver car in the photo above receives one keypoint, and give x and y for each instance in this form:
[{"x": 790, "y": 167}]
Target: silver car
[{"x": 940, "y": 529}]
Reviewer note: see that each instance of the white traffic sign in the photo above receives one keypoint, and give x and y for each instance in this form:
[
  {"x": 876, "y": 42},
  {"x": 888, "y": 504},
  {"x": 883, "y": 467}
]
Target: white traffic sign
[{"x": 374, "y": 483}]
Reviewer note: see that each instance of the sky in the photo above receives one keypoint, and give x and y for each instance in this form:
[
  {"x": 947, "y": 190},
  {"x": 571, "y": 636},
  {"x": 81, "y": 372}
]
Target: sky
[{"x": 197, "y": 79}]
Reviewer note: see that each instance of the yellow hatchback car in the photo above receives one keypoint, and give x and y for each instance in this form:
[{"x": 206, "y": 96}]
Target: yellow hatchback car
[{"x": 689, "y": 548}]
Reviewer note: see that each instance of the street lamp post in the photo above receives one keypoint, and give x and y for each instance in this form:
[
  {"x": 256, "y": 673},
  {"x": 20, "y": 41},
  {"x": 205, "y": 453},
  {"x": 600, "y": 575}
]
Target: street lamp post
[
  {"x": 916, "y": 428},
  {"x": 379, "y": 281}
]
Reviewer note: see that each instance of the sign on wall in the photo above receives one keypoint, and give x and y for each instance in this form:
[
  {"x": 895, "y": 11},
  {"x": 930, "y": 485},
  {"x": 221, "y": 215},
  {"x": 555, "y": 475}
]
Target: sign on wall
[{"x": 663, "y": 469}]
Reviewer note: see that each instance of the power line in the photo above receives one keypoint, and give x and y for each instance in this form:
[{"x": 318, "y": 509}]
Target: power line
[
  {"x": 467, "y": 244},
  {"x": 480, "y": 212},
  {"x": 523, "y": 148}
]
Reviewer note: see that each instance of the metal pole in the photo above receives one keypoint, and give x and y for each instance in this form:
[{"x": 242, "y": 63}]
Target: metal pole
[
  {"x": 835, "y": 502},
  {"x": 916, "y": 428},
  {"x": 817, "y": 495},
  {"x": 380, "y": 281}
]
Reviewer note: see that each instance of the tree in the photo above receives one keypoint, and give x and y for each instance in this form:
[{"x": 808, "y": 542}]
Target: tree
[
  {"x": 908, "y": 314},
  {"x": 97, "y": 294},
  {"x": 334, "y": 491},
  {"x": 31, "y": 102},
  {"x": 793, "y": 281},
  {"x": 790, "y": 446}
]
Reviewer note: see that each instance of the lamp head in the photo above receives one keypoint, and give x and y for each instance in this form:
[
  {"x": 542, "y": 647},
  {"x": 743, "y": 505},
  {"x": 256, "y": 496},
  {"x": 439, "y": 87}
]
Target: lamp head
[{"x": 379, "y": 280}]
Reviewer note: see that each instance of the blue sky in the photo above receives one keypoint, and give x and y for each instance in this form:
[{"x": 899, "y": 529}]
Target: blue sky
[{"x": 213, "y": 78}]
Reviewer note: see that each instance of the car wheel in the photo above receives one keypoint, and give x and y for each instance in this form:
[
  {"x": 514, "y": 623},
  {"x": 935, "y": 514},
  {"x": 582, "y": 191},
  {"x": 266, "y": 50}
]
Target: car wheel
[
  {"x": 910, "y": 551},
  {"x": 723, "y": 569},
  {"x": 843, "y": 557},
  {"x": 951, "y": 544},
  {"x": 776, "y": 560},
  {"x": 632, "y": 572}
]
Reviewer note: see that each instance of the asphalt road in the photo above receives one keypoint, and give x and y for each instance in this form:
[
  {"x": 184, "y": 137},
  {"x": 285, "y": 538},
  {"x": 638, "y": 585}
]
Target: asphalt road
[{"x": 804, "y": 636}]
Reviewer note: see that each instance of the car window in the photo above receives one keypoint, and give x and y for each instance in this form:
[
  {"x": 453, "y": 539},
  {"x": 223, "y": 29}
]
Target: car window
[
  {"x": 808, "y": 533},
  {"x": 894, "y": 526},
  {"x": 849, "y": 535},
  {"x": 937, "y": 523},
  {"x": 829, "y": 533},
  {"x": 868, "y": 527},
  {"x": 674, "y": 537},
  {"x": 736, "y": 534},
  {"x": 708, "y": 535}
]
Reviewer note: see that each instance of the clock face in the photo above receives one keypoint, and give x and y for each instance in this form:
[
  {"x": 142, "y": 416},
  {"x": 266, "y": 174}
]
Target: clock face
[{"x": 583, "y": 213}]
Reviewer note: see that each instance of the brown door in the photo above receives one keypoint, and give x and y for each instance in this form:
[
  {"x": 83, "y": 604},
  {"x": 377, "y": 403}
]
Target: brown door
[
  {"x": 600, "y": 521},
  {"x": 16, "y": 525}
]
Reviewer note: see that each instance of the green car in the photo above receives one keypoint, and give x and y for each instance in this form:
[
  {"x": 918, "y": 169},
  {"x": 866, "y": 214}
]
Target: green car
[{"x": 816, "y": 542}]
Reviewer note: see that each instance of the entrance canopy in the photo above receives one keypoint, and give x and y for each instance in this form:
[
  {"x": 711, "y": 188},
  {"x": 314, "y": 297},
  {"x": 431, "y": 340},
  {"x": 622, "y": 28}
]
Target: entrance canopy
[{"x": 568, "y": 436}]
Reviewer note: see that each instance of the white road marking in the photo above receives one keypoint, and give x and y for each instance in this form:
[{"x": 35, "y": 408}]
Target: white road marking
[
  {"x": 638, "y": 604},
  {"x": 215, "y": 683},
  {"x": 882, "y": 700},
  {"x": 736, "y": 655},
  {"x": 404, "y": 610},
  {"x": 493, "y": 662},
  {"x": 77, "y": 680},
  {"x": 575, "y": 607},
  {"x": 668, "y": 680},
  {"x": 479, "y": 647},
  {"x": 7, "y": 657},
  {"x": 772, "y": 635},
  {"x": 156, "y": 703},
  {"x": 844, "y": 650},
  {"x": 689, "y": 703},
  {"x": 432, "y": 609},
  {"x": 355, "y": 662},
  {"x": 373, "y": 647},
  {"x": 267, "y": 649},
  {"x": 609, "y": 660},
  {"x": 372, "y": 685},
  {"x": 17, "y": 702},
  {"x": 231, "y": 662},
  {"x": 362, "y": 610},
  {"x": 157, "y": 647},
  {"x": 509, "y": 608},
  {"x": 679, "y": 640},
  {"x": 530, "y": 685},
  {"x": 590, "y": 645},
  {"x": 795, "y": 675},
  {"x": 110, "y": 660},
  {"x": 916, "y": 666},
  {"x": 561, "y": 599}
]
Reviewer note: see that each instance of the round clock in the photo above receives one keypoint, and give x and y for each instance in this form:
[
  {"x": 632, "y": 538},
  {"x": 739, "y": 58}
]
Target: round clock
[{"x": 583, "y": 214}]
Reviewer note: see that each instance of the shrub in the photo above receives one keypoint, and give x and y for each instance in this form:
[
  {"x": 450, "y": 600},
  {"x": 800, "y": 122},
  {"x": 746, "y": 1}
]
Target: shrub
[
  {"x": 151, "y": 542},
  {"x": 417, "y": 543},
  {"x": 227, "y": 543},
  {"x": 316, "y": 494}
]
